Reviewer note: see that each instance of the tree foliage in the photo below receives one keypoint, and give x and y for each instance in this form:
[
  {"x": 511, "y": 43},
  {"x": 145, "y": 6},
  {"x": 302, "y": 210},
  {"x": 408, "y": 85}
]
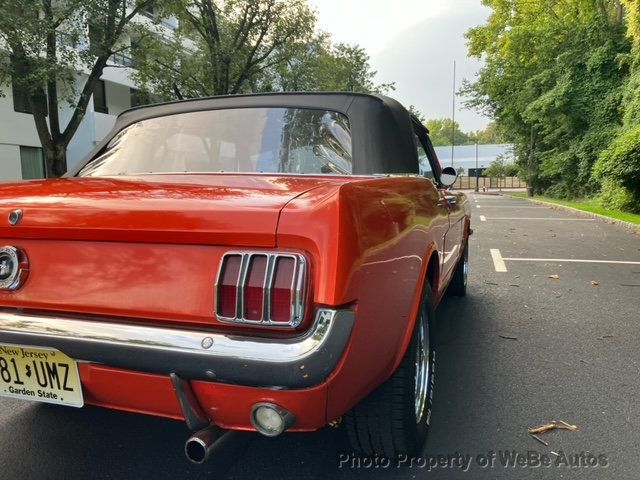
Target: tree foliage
[
  {"x": 45, "y": 44},
  {"x": 500, "y": 168},
  {"x": 442, "y": 130},
  {"x": 229, "y": 44},
  {"x": 491, "y": 135},
  {"x": 555, "y": 80},
  {"x": 240, "y": 46},
  {"x": 619, "y": 166}
]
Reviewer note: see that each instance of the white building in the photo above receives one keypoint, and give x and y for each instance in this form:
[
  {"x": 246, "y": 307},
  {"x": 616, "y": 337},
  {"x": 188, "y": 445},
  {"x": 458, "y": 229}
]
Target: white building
[{"x": 21, "y": 155}]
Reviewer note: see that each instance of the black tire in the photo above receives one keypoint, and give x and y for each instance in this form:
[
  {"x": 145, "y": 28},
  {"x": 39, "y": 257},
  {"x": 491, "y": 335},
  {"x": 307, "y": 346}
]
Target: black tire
[
  {"x": 458, "y": 285},
  {"x": 387, "y": 422}
]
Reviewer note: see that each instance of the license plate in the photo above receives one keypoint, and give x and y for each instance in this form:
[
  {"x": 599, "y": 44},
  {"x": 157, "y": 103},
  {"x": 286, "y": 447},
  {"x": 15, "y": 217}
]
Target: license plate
[{"x": 39, "y": 374}]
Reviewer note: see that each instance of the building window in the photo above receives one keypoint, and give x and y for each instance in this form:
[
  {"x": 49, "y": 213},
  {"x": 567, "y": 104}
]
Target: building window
[
  {"x": 32, "y": 163},
  {"x": 100, "y": 97},
  {"x": 149, "y": 11},
  {"x": 21, "y": 101}
]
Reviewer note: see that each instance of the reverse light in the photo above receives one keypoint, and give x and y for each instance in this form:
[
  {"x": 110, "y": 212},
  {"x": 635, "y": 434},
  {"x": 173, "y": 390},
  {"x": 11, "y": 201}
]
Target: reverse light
[
  {"x": 271, "y": 420},
  {"x": 261, "y": 288}
]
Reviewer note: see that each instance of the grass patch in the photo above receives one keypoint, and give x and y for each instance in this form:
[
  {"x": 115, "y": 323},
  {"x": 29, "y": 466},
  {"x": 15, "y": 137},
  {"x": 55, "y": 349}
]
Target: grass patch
[{"x": 586, "y": 205}]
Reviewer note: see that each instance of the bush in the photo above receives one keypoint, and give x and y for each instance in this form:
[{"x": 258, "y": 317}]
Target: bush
[
  {"x": 618, "y": 169},
  {"x": 617, "y": 197}
]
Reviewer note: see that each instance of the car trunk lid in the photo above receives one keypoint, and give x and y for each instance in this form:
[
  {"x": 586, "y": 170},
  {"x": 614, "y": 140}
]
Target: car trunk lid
[{"x": 215, "y": 209}]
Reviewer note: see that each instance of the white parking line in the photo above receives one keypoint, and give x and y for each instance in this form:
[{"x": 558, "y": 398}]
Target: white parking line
[
  {"x": 498, "y": 262},
  {"x": 563, "y": 260},
  {"x": 540, "y": 218},
  {"x": 483, "y": 218},
  {"x": 477, "y": 206}
]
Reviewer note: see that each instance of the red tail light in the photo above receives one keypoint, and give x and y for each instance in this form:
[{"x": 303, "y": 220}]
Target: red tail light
[
  {"x": 262, "y": 288},
  {"x": 228, "y": 282},
  {"x": 254, "y": 288},
  {"x": 282, "y": 290}
]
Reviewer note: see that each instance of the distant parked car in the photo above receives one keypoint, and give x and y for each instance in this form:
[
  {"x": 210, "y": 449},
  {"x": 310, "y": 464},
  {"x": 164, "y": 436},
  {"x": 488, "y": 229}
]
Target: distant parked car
[{"x": 259, "y": 262}]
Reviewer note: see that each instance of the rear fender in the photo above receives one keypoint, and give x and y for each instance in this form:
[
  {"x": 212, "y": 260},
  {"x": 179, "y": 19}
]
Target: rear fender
[{"x": 417, "y": 298}]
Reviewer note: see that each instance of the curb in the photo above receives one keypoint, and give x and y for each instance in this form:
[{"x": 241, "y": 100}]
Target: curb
[{"x": 630, "y": 227}]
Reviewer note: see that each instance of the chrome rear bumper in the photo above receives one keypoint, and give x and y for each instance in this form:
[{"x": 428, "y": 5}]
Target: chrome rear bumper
[{"x": 192, "y": 354}]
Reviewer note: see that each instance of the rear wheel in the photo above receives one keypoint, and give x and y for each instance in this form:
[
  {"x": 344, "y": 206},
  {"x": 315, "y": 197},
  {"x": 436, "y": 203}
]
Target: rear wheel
[
  {"x": 394, "y": 419},
  {"x": 458, "y": 285}
]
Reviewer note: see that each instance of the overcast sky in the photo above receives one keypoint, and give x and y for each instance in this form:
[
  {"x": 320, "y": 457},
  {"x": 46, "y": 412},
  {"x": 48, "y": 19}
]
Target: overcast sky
[{"x": 412, "y": 43}]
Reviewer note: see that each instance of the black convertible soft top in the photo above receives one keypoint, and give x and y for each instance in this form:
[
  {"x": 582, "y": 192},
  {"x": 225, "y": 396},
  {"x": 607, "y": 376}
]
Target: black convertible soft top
[{"x": 381, "y": 128}]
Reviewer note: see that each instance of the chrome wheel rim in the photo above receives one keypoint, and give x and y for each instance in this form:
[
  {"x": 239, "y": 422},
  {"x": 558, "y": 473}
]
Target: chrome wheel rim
[
  {"x": 465, "y": 268},
  {"x": 422, "y": 370}
]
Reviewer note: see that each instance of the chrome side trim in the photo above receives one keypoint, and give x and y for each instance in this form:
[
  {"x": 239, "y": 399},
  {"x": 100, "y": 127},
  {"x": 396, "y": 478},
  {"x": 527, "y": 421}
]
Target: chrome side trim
[{"x": 191, "y": 354}]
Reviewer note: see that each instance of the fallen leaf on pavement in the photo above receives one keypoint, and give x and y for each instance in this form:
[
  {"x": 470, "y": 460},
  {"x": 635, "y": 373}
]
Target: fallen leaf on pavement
[
  {"x": 594, "y": 282},
  {"x": 555, "y": 277},
  {"x": 553, "y": 425}
]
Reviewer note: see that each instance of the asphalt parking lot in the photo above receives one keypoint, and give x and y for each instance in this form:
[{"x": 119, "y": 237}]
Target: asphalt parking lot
[{"x": 549, "y": 330}]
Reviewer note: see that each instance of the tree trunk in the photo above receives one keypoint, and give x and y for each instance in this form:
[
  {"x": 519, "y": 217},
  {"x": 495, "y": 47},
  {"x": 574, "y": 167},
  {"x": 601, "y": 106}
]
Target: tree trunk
[{"x": 56, "y": 160}]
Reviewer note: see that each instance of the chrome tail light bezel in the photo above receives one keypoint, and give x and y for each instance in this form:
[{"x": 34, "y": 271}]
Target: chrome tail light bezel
[{"x": 298, "y": 288}]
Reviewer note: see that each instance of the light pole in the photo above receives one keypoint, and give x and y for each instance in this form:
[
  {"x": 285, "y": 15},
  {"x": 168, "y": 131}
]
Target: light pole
[
  {"x": 477, "y": 169},
  {"x": 453, "y": 115}
]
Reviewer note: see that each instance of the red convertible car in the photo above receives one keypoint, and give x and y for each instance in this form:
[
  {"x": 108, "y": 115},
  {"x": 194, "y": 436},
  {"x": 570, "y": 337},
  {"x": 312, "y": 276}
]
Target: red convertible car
[{"x": 259, "y": 262}]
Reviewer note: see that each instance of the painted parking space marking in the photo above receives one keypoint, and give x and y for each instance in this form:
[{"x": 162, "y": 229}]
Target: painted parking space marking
[
  {"x": 498, "y": 261},
  {"x": 501, "y": 267},
  {"x": 558, "y": 219},
  {"x": 569, "y": 260}
]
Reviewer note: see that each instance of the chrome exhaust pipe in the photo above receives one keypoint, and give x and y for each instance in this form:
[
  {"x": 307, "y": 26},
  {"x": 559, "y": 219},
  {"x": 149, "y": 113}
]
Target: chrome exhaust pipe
[{"x": 199, "y": 447}]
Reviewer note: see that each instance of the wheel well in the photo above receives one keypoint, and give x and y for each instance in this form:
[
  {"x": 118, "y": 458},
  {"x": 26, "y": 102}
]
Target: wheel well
[{"x": 433, "y": 272}]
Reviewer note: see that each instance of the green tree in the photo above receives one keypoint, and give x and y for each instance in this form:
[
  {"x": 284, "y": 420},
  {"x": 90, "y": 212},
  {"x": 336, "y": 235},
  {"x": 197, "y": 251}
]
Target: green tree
[
  {"x": 553, "y": 82},
  {"x": 241, "y": 46},
  {"x": 222, "y": 46},
  {"x": 440, "y": 131},
  {"x": 346, "y": 67},
  {"x": 491, "y": 135},
  {"x": 320, "y": 65},
  {"x": 497, "y": 168},
  {"x": 619, "y": 169},
  {"x": 413, "y": 110},
  {"x": 42, "y": 50},
  {"x": 618, "y": 166}
]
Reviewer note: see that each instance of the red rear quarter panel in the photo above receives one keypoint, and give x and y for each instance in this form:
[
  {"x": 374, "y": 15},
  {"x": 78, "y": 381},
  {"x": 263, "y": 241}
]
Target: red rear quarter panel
[{"x": 371, "y": 240}]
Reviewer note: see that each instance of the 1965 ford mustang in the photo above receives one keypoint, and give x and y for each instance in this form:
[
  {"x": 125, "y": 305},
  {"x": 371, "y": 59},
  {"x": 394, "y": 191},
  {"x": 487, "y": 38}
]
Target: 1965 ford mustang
[{"x": 259, "y": 262}]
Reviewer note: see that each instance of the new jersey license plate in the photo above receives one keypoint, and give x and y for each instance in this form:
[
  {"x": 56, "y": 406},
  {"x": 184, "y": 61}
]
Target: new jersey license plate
[{"x": 39, "y": 374}]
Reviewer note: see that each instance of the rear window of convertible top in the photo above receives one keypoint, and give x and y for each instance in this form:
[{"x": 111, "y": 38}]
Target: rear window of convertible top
[{"x": 267, "y": 140}]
